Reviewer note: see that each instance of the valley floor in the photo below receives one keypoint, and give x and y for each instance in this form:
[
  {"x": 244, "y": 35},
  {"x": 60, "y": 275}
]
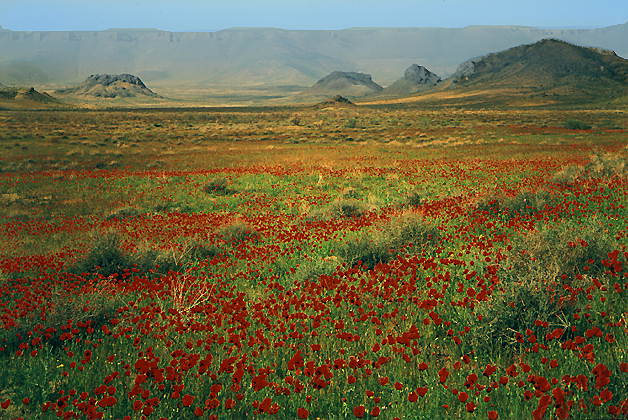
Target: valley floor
[{"x": 313, "y": 263}]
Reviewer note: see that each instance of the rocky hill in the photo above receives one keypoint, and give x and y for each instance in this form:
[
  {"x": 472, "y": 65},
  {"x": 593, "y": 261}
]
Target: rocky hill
[
  {"x": 21, "y": 97},
  {"x": 110, "y": 86},
  {"x": 549, "y": 67},
  {"x": 30, "y": 94},
  {"x": 342, "y": 83},
  {"x": 415, "y": 79}
]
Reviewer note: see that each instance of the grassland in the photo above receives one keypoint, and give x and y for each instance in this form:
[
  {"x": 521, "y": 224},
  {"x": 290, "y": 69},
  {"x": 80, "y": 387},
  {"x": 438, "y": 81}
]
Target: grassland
[{"x": 313, "y": 263}]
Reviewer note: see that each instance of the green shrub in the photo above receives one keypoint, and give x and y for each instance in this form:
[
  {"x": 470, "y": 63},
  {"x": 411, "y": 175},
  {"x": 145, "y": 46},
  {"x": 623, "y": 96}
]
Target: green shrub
[
  {"x": 123, "y": 213},
  {"x": 524, "y": 204},
  {"x": 97, "y": 303},
  {"x": 218, "y": 186},
  {"x": 577, "y": 125},
  {"x": 106, "y": 257},
  {"x": 351, "y": 123},
  {"x": 339, "y": 209},
  {"x": 414, "y": 199},
  {"x": 540, "y": 264},
  {"x": 348, "y": 208},
  {"x": 373, "y": 247}
]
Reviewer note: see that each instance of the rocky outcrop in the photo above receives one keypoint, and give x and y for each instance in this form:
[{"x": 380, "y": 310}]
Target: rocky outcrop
[
  {"x": 110, "y": 86},
  {"x": 337, "y": 100},
  {"x": 415, "y": 79}
]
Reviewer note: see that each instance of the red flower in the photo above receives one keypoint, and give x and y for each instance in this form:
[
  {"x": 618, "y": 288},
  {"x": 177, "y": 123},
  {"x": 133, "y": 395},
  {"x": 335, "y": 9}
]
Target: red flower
[
  {"x": 492, "y": 415},
  {"x": 375, "y": 411},
  {"x": 463, "y": 396},
  {"x": 442, "y": 375},
  {"x": 187, "y": 400},
  {"x": 470, "y": 407},
  {"x": 302, "y": 413},
  {"x": 489, "y": 370},
  {"x": 359, "y": 411}
]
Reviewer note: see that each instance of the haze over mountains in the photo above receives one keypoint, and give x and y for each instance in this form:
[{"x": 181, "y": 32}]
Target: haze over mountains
[{"x": 270, "y": 57}]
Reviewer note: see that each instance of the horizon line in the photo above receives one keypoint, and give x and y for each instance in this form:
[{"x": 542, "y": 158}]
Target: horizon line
[{"x": 149, "y": 29}]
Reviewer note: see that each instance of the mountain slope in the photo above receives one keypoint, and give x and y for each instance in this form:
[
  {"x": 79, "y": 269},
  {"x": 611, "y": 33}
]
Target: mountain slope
[
  {"x": 549, "y": 67},
  {"x": 260, "y": 56}
]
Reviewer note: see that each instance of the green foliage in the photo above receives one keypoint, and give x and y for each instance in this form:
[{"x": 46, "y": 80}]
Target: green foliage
[
  {"x": 373, "y": 247},
  {"x": 532, "y": 287},
  {"x": 577, "y": 125},
  {"x": 525, "y": 203},
  {"x": 106, "y": 257},
  {"x": 351, "y": 123},
  {"x": 340, "y": 208},
  {"x": 414, "y": 199},
  {"x": 218, "y": 186},
  {"x": 123, "y": 213}
]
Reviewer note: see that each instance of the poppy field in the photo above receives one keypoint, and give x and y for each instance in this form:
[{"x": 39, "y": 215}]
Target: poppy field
[{"x": 313, "y": 264}]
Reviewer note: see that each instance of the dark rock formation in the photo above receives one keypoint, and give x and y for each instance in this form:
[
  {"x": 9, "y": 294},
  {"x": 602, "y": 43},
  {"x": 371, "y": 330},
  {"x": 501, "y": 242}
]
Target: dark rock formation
[
  {"x": 110, "y": 86},
  {"x": 415, "y": 79}
]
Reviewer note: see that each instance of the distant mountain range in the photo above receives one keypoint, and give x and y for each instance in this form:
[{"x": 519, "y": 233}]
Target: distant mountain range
[{"x": 268, "y": 57}]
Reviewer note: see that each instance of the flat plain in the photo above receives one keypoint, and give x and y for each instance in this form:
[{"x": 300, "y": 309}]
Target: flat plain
[{"x": 308, "y": 262}]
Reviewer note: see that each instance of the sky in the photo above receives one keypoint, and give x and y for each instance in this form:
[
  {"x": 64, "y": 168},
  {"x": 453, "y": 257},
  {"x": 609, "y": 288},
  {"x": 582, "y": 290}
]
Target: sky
[{"x": 211, "y": 15}]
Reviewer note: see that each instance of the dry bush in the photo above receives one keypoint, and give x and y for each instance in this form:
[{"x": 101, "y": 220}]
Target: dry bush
[
  {"x": 238, "y": 231},
  {"x": 341, "y": 208},
  {"x": 606, "y": 166},
  {"x": 600, "y": 166}
]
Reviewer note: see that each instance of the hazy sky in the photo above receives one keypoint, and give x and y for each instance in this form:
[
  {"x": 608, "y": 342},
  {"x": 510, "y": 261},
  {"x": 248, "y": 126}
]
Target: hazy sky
[{"x": 203, "y": 15}]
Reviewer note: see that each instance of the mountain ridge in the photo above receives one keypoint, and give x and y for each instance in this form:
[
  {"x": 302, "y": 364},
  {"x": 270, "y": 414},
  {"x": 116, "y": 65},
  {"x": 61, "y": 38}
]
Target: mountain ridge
[{"x": 253, "y": 56}]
